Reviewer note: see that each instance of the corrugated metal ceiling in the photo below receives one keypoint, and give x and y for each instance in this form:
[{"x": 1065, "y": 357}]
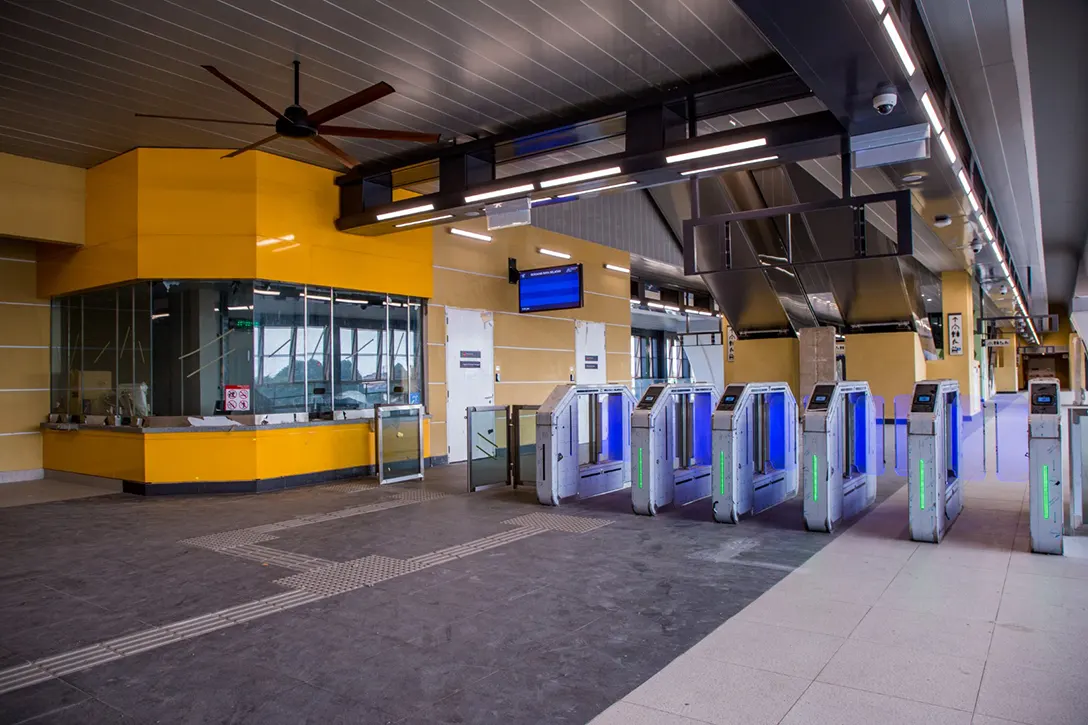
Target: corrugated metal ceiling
[{"x": 73, "y": 73}]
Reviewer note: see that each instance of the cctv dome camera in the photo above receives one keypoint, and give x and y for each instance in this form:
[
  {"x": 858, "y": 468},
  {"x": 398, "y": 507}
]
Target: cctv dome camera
[{"x": 885, "y": 99}]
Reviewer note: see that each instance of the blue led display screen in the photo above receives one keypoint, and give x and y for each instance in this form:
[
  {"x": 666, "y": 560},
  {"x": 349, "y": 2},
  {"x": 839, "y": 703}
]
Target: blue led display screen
[
  {"x": 1043, "y": 399},
  {"x": 924, "y": 398},
  {"x": 550, "y": 288}
]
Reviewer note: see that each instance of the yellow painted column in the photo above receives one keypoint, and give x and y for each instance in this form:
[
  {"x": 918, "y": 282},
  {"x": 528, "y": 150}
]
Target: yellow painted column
[
  {"x": 957, "y": 298},
  {"x": 891, "y": 362},
  {"x": 1007, "y": 370},
  {"x": 768, "y": 360}
]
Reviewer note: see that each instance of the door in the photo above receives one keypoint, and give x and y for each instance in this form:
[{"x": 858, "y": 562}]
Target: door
[{"x": 470, "y": 370}]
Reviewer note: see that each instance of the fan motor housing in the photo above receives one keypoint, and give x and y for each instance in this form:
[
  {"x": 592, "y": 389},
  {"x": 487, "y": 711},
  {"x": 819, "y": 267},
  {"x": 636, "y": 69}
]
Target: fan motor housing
[{"x": 295, "y": 123}]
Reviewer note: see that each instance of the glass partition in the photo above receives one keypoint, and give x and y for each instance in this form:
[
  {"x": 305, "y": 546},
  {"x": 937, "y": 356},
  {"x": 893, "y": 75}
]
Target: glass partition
[
  {"x": 524, "y": 441},
  {"x": 400, "y": 442},
  {"x": 488, "y": 449},
  {"x": 197, "y": 348}
]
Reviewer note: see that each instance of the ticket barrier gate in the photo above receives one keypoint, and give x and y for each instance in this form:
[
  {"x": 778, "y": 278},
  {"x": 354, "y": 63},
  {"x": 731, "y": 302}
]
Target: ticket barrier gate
[
  {"x": 1045, "y": 465},
  {"x": 671, "y": 446},
  {"x": 755, "y": 449},
  {"x": 583, "y": 442},
  {"x": 934, "y": 459},
  {"x": 839, "y": 463}
]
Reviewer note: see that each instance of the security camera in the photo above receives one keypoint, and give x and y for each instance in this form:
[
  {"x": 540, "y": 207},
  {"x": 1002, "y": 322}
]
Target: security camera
[
  {"x": 1004, "y": 290},
  {"x": 942, "y": 220},
  {"x": 976, "y": 245},
  {"x": 885, "y": 99}
]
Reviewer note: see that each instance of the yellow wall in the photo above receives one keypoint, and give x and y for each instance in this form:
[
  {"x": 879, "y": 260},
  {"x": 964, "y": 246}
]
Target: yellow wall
[
  {"x": 189, "y": 214},
  {"x": 891, "y": 362},
  {"x": 956, "y": 296},
  {"x": 40, "y": 200},
  {"x": 186, "y": 457},
  {"x": 24, "y": 361},
  {"x": 765, "y": 361},
  {"x": 473, "y": 275},
  {"x": 1007, "y": 367}
]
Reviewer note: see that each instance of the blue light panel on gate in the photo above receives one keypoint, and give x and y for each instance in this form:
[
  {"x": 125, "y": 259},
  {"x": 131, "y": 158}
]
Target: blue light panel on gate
[{"x": 550, "y": 288}]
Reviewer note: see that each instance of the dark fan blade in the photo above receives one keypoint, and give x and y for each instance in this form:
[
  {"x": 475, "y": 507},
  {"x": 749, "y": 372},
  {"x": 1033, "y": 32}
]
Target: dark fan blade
[
  {"x": 215, "y": 72},
  {"x": 207, "y": 120},
  {"x": 252, "y": 146},
  {"x": 349, "y": 104},
  {"x": 333, "y": 150},
  {"x": 377, "y": 133}
]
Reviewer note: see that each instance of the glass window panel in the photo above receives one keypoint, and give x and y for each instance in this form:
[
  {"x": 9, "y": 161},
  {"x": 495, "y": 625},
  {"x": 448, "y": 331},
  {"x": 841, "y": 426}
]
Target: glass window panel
[
  {"x": 64, "y": 353},
  {"x": 97, "y": 375},
  {"x": 359, "y": 320},
  {"x": 141, "y": 353},
  {"x": 317, "y": 348},
  {"x": 279, "y": 375},
  {"x": 398, "y": 349}
]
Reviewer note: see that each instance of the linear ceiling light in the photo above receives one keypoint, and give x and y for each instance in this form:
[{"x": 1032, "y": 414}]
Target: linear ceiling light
[
  {"x": 728, "y": 148},
  {"x": 541, "y": 199},
  {"x": 1005, "y": 268},
  {"x": 997, "y": 251},
  {"x": 471, "y": 235},
  {"x": 729, "y": 166},
  {"x": 319, "y": 298},
  {"x": 593, "y": 191},
  {"x": 949, "y": 151},
  {"x": 289, "y": 246},
  {"x": 617, "y": 268},
  {"x": 704, "y": 313},
  {"x": 986, "y": 228},
  {"x": 351, "y": 301},
  {"x": 524, "y": 188},
  {"x": 671, "y": 308},
  {"x": 239, "y": 308},
  {"x": 267, "y": 292},
  {"x": 553, "y": 253},
  {"x": 405, "y": 212},
  {"x": 655, "y": 305},
  {"x": 879, "y": 5},
  {"x": 897, "y": 43},
  {"x": 160, "y": 315},
  {"x": 423, "y": 221},
  {"x": 276, "y": 240},
  {"x": 927, "y": 104},
  {"x": 964, "y": 181},
  {"x": 974, "y": 202},
  {"x": 564, "y": 180}
]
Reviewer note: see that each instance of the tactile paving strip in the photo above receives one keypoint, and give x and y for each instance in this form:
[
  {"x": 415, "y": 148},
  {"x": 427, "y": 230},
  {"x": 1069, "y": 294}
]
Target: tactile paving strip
[
  {"x": 230, "y": 539},
  {"x": 286, "y": 559},
  {"x": 558, "y": 522},
  {"x": 475, "y": 547},
  {"x": 348, "y": 487},
  {"x": 350, "y": 575}
]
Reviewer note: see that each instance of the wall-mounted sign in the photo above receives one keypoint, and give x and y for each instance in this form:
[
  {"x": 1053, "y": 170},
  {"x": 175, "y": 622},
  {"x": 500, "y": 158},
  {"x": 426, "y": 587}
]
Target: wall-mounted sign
[
  {"x": 471, "y": 354},
  {"x": 470, "y": 363},
  {"x": 955, "y": 333},
  {"x": 236, "y": 397},
  {"x": 840, "y": 348},
  {"x": 651, "y": 291},
  {"x": 592, "y": 358},
  {"x": 592, "y": 366},
  {"x": 997, "y": 342},
  {"x": 730, "y": 339}
]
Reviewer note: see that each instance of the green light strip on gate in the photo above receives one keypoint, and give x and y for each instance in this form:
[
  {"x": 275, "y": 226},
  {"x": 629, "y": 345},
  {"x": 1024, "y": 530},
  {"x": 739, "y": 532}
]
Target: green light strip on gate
[
  {"x": 640, "y": 468},
  {"x": 815, "y": 469},
  {"x": 721, "y": 470},
  {"x": 1046, "y": 492},
  {"x": 922, "y": 484}
]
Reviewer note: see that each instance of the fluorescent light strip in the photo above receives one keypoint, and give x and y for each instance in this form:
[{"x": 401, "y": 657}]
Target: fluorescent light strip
[
  {"x": 423, "y": 221},
  {"x": 537, "y": 201},
  {"x": 524, "y": 188},
  {"x": 671, "y": 308},
  {"x": 704, "y": 313},
  {"x": 160, "y": 315},
  {"x": 239, "y": 308},
  {"x": 986, "y": 228},
  {"x": 997, "y": 250},
  {"x": 564, "y": 180},
  {"x": 729, "y": 166},
  {"x": 352, "y": 302},
  {"x": 879, "y": 6},
  {"x": 655, "y": 305},
  {"x": 405, "y": 212},
  {"x": 964, "y": 181},
  {"x": 289, "y": 246},
  {"x": 276, "y": 240},
  {"x": 974, "y": 202},
  {"x": 1005, "y": 268},
  {"x": 592, "y": 191},
  {"x": 267, "y": 292},
  {"x": 932, "y": 113},
  {"x": 617, "y": 268},
  {"x": 897, "y": 43},
  {"x": 319, "y": 298},
  {"x": 728, "y": 148},
  {"x": 949, "y": 150},
  {"x": 471, "y": 235},
  {"x": 552, "y": 253}
]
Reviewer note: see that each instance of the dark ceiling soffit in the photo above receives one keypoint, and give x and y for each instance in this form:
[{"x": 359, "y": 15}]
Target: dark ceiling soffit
[
  {"x": 664, "y": 219},
  {"x": 800, "y": 138},
  {"x": 720, "y": 238},
  {"x": 759, "y": 83}
]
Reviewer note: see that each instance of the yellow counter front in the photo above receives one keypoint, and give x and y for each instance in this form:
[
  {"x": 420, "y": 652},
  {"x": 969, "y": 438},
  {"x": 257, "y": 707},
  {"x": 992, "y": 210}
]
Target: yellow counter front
[{"x": 208, "y": 460}]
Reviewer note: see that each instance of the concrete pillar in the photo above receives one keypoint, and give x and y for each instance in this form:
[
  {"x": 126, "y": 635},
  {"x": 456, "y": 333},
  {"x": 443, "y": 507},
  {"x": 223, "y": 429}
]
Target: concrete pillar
[
  {"x": 957, "y": 298},
  {"x": 816, "y": 358}
]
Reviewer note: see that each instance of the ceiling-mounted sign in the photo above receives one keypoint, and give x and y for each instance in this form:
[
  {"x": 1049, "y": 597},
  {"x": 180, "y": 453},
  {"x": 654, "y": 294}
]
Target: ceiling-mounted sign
[
  {"x": 730, "y": 339},
  {"x": 955, "y": 333},
  {"x": 840, "y": 348},
  {"x": 997, "y": 342}
]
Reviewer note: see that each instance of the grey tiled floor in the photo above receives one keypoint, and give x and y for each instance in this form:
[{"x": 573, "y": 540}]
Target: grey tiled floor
[
  {"x": 551, "y": 628},
  {"x": 878, "y": 629}
]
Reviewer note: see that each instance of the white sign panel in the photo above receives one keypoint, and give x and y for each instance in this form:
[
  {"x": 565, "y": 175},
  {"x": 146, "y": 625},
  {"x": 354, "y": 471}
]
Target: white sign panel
[
  {"x": 840, "y": 348},
  {"x": 955, "y": 333},
  {"x": 237, "y": 397},
  {"x": 998, "y": 343},
  {"x": 730, "y": 339}
]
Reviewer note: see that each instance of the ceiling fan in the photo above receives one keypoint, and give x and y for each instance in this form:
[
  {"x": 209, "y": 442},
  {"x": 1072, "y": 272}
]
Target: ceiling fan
[{"x": 296, "y": 122}]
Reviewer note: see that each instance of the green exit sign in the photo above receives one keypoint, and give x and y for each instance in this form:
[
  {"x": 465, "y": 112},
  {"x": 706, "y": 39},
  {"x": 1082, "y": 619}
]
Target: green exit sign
[{"x": 244, "y": 324}]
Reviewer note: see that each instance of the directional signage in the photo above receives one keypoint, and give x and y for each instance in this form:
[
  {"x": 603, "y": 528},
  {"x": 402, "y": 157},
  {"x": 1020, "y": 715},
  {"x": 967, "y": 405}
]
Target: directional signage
[
  {"x": 998, "y": 342},
  {"x": 955, "y": 333}
]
